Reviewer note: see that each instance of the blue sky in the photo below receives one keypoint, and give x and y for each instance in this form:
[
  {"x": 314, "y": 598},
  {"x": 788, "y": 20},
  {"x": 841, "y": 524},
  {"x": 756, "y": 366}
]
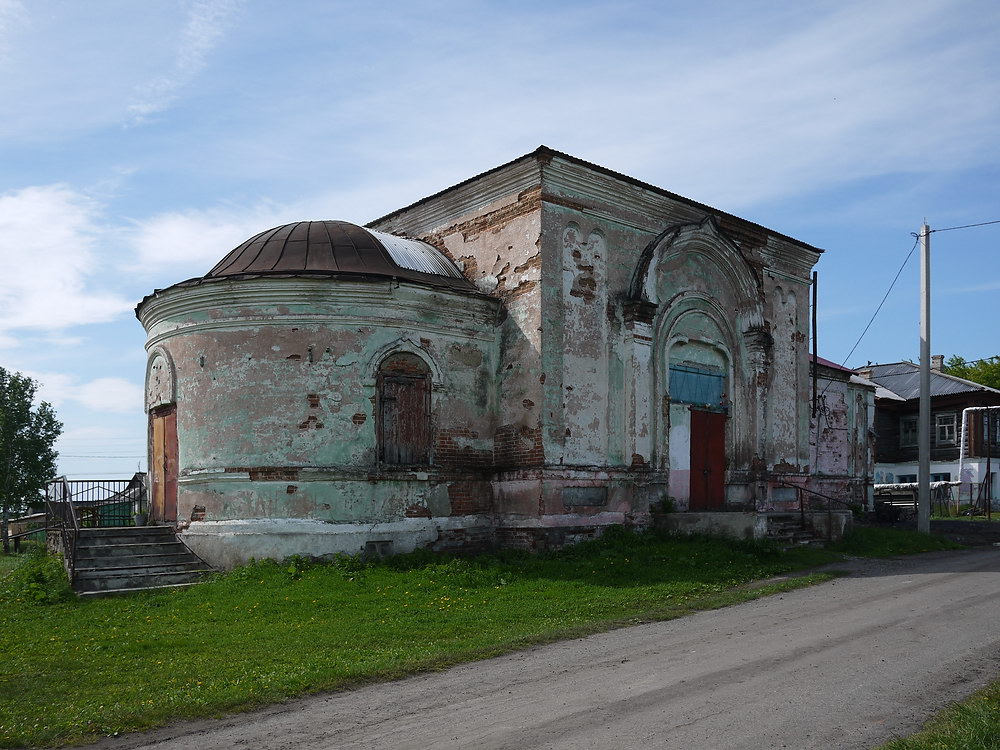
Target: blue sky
[{"x": 141, "y": 141}]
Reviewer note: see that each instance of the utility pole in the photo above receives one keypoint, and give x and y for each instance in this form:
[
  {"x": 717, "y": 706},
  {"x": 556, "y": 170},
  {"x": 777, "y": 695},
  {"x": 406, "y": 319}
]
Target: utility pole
[{"x": 924, "y": 420}]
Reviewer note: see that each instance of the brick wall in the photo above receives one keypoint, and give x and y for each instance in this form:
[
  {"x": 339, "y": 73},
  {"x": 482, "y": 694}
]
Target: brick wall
[
  {"x": 448, "y": 453},
  {"x": 469, "y": 498},
  {"x": 267, "y": 473},
  {"x": 518, "y": 446}
]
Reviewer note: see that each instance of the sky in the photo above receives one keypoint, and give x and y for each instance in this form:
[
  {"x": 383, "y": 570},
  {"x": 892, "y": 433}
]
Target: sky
[{"x": 141, "y": 141}]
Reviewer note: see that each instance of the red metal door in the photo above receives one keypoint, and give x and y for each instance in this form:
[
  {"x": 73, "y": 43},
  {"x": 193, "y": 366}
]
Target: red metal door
[
  {"x": 708, "y": 460},
  {"x": 163, "y": 464}
]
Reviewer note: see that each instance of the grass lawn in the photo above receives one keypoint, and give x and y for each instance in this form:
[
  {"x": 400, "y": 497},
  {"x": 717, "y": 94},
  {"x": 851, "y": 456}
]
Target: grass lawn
[
  {"x": 8, "y": 563},
  {"x": 869, "y": 541},
  {"x": 81, "y": 668},
  {"x": 993, "y": 517},
  {"x": 971, "y": 725}
]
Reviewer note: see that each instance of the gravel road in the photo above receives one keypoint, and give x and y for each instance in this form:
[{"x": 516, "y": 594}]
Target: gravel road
[{"x": 847, "y": 664}]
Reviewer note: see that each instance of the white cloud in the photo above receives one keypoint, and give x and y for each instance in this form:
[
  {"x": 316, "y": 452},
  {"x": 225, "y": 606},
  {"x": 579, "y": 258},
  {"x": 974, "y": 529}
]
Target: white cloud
[
  {"x": 12, "y": 13},
  {"x": 49, "y": 241},
  {"x": 194, "y": 240},
  {"x": 205, "y": 23},
  {"x": 102, "y": 395},
  {"x": 110, "y": 394},
  {"x": 199, "y": 238},
  {"x": 990, "y": 286},
  {"x": 734, "y": 110}
]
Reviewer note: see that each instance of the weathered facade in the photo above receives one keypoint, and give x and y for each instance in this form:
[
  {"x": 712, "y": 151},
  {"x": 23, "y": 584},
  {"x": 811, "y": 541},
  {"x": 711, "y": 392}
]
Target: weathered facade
[
  {"x": 555, "y": 348},
  {"x": 843, "y": 435}
]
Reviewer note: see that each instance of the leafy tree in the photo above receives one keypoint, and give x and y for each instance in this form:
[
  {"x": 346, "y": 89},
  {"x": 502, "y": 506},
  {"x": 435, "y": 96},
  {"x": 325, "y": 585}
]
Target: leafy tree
[
  {"x": 984, "y": 371},
  {"x": 27, "y": 456}
]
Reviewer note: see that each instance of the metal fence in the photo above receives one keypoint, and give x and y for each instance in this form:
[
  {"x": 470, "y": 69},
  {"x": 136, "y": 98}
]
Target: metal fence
[
  {"x": 91, "y": 503},
  {"x": 102, "y": 502}
]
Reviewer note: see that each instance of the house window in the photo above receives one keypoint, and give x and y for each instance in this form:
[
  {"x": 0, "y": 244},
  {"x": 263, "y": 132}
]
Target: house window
[
  {"x": 907, "y": 431},
  {"x": 944, "y": 429},
  {"x": 404, "y": 411},
  {"x": 943, "y": 477},
  {"x": 991, "y": 424},
  {"x": 906, "y": 478}
]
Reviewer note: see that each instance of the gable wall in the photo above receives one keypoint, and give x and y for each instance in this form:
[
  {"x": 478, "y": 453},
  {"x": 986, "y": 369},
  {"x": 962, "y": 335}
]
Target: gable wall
[{"x": 605, "y": 405}]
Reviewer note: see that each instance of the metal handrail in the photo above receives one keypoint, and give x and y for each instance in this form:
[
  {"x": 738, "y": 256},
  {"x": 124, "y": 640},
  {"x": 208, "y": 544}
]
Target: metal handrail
[
  {"x": 64, "y": 512},
  {"x": 16, "y": 538},
  {"x": 799, "y": 490}
]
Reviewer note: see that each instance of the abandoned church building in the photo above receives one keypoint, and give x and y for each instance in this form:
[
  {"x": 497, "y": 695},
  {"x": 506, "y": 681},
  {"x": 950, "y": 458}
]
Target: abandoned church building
[{"x": 540, "y": 351}]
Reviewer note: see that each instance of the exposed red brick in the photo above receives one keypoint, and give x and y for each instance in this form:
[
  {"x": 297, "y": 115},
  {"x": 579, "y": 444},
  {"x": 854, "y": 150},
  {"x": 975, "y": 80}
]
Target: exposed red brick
[
  {"x": 516, "y": 445},
  {"x": 268, "y": 473},
  {"x": 469, "y": 498},
  {"x": 448, "y": 453},
  {"x": 359, "y": 418}
]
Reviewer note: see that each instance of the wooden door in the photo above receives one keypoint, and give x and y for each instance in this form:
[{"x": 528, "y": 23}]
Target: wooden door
[
  {"x": 163, "y": 464},
  {"x": 708, "y": 460},
  {"x": 405, "y": 420}
]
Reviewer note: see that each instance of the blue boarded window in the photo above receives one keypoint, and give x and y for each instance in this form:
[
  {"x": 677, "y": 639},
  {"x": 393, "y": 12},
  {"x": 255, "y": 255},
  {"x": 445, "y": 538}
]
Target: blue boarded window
[{"x": 697, "y": 385}]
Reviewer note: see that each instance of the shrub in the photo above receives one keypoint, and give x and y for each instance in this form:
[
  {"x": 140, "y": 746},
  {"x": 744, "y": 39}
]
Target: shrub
[{"x": 40, "y": 579}]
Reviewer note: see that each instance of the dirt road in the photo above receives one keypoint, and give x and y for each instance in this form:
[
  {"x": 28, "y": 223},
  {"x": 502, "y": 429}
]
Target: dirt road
[{"x": 847, "y": 664}]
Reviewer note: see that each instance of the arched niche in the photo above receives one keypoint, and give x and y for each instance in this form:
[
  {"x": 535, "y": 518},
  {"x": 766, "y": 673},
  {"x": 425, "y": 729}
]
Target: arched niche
[
  {"x": 161, "y": 380},
  {"x": 403, "y": 346},
  {"x": 699, "y": 258},
  {"x": 703, "y": 303}
]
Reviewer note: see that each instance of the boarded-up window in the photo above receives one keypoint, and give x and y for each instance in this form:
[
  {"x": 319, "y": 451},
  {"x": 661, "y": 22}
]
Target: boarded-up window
[
  {"x": 404, "y": 410},
  {"x": 698, "y": 386}
]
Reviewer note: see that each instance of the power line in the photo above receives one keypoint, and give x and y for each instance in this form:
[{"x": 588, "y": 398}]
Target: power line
[
  {"x": 884, "y": 298},
  {"x": 73, "y": 455},
  {"x": 965, "y": 226}
]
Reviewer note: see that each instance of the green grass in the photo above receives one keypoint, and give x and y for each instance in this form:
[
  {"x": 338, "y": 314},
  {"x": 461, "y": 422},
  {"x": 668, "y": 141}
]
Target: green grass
[
  {"x": 8, "y": 563},
  {"x": 76, "y": 669},
  {"x": 265, "y": 632},
  {"x": 973, "y": 724},
  {"x": 884, "y": 542},
  {"x": 993, "y": 517}
]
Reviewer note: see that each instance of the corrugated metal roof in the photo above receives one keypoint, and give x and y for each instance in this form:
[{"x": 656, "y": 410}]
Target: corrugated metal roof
[
  {"x": 416, "y": 255},
  {"x": 903, "y": 378}
]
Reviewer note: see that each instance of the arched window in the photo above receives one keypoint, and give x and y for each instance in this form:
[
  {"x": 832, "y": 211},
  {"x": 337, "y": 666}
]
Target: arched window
[{"x": 404, "y": 410}]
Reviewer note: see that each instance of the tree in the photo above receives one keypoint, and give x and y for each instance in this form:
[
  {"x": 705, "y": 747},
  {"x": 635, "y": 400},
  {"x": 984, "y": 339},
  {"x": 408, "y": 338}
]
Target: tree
[
  {"x": 983, "y": 371},
  {"x": 27, "y": 455}
]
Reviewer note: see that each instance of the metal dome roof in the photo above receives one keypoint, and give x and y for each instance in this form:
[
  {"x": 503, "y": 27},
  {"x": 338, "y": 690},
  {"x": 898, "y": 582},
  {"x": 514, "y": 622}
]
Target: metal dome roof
[{"x": 338, "y": 247}]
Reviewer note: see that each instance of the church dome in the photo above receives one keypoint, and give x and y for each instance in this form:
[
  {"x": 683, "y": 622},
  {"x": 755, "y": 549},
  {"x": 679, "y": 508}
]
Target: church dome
[{"x": 338, "y": 248}]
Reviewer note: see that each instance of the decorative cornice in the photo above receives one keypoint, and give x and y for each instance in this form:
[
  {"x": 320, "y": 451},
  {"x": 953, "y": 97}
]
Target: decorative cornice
[
  {"x": 385, "y": 304},
  {"x": 447, "y": 206},
  {"x": 582, "y": 177}
]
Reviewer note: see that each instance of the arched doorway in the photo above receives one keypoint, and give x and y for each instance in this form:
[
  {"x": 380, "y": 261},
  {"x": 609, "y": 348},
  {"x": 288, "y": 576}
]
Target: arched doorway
[{"x": 698, "y": 404}]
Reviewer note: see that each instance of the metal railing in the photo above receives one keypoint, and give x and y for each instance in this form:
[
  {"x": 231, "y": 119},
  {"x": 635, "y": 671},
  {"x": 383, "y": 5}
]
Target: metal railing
[
  {"x": 61, "y": 517},
  {"x": 91, "y": 503},
  {"x": 800, "y": 493},
  {"x": 102, "y": 503}
]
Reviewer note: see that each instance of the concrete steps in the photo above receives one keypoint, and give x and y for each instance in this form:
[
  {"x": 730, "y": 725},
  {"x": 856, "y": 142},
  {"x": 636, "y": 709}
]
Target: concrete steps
[
  {"x": 126, "y": 559},
  {"x": 787, "y": 529}
]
